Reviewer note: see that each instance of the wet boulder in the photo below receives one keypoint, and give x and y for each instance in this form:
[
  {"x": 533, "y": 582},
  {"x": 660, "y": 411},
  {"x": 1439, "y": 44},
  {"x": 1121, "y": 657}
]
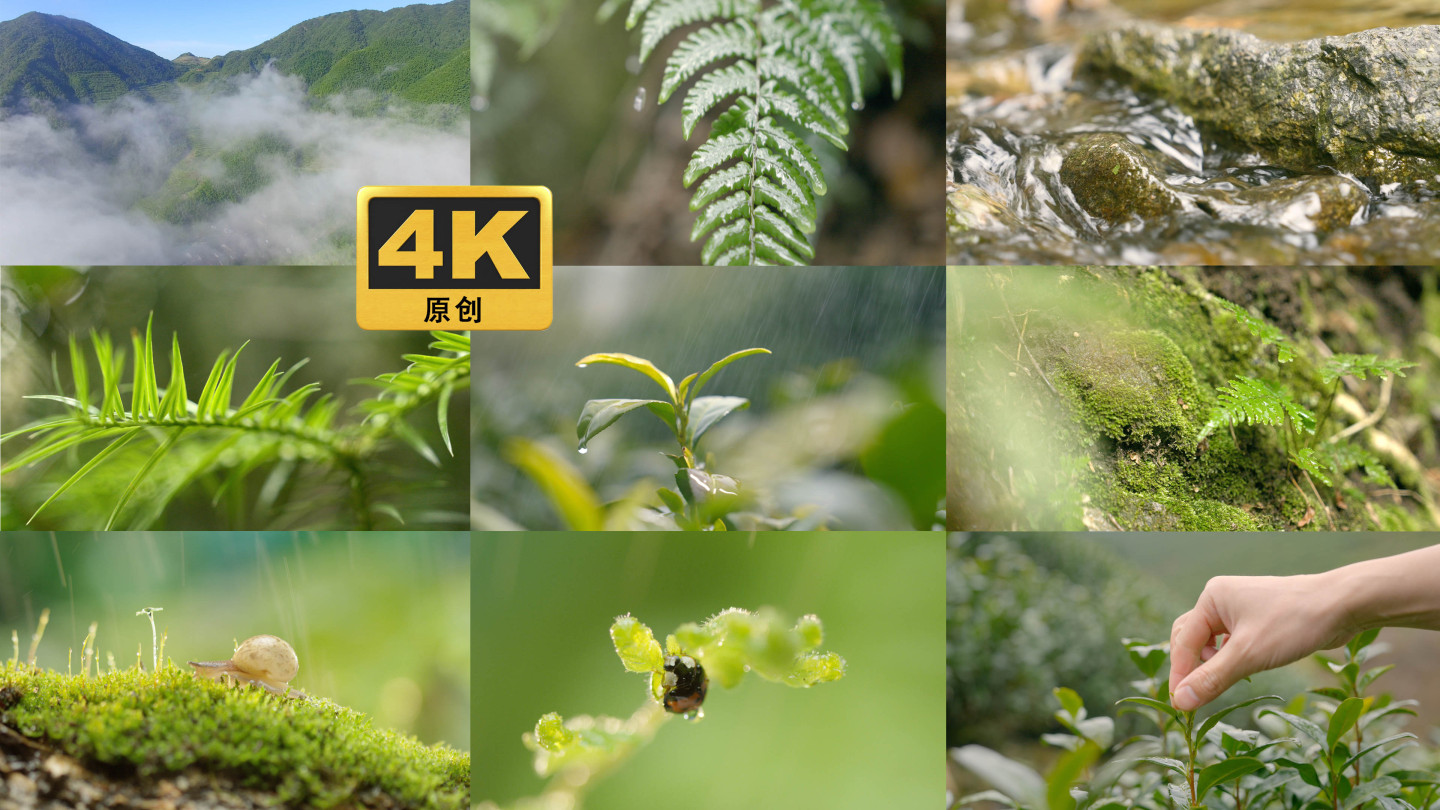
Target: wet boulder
[
  {"x": 1320, "y": 203},
  {"x": 1116, "y": 180},
  {"x": 1366, "y": 103}
]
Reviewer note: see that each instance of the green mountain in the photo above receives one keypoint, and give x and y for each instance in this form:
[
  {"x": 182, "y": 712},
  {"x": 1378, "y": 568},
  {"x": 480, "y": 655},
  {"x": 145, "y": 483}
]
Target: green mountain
[
  {"x": 420, "y": 52},
  {"x": 46, "y": 56}
]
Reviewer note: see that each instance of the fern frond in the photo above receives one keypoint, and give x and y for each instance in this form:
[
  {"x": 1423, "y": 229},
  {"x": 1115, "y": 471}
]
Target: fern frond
[
  {"x": 1361, "y": 365},
  {"x": 1342, "y": 457},
  {"x": 665, "y": 16},
  {"x": 1306, "y": 459},
  {"x": 1254, "y": 402},
  {"x": 1267, "y": 332},
  {"x": 778, "y": 71}
]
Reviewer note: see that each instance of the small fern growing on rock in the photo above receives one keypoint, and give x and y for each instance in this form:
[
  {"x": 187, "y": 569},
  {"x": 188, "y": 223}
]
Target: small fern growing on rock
[
  {"x": 1248, "y": 401},
  {"x": 300, "y": 437},
  {"x": 792, "y": 69}
]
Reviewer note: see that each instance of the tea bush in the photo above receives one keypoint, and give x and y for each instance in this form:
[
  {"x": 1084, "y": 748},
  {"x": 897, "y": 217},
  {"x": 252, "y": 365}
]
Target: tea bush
[
  {"x": 1027, "y": 612},
  {"x": 1335, "y": 747}
]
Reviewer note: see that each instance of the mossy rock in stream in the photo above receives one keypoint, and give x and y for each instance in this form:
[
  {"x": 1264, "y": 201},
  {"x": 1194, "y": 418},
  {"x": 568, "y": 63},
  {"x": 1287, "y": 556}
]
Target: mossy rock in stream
[
  {"x": 1321, "y": 203},
  {"x": 1116, "y": 180},
  {"x": 1366, "y": 103},
  {"x": 184, "y": 740},
  {"x": 1130, "y": 386}
]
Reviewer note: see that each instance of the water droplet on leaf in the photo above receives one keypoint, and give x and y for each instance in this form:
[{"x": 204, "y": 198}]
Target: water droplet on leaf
[{"x": 584, "y": 450}]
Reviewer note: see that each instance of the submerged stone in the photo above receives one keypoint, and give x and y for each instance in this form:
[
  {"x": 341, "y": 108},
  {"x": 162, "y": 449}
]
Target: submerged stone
[
  {"x": 1302, "y": 204},
  {"x": 1366, "y": 103},
  {"x": 970, "y": 208},
  {"x": 1116, "y": 180}
]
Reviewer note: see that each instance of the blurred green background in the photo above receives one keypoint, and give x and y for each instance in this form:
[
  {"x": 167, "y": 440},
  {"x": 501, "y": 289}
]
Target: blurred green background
[
  {"x": 289, "y": 313},
  {"x": 543, "y": 608},
  {"x": 561, "y": 100},
  {"x": 856, "y": 368},
  {"x": 380, "y": 621}
]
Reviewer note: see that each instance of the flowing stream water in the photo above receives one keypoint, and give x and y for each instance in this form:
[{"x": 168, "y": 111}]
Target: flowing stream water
[{"x": 1017, "y": 106}]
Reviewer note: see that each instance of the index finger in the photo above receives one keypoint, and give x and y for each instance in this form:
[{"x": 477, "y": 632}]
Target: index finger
[{"x": 1189, "y": 636}]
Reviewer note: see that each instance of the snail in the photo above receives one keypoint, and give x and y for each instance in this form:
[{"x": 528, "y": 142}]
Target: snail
[{"x": 265, "y": 661}]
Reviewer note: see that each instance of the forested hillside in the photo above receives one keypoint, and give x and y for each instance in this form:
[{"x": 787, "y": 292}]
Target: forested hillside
[
  {"x": 420, "y": 53},
  {"x": 46, "y": 56}
]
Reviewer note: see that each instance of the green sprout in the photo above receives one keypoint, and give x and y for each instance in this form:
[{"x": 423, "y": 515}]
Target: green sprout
[
  {"x": 575, "y": 752},
  {"x": 701, "y": 498}
]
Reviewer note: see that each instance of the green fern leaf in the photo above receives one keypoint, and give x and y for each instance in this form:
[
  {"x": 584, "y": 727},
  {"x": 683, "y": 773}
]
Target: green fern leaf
[
  {"x": 705, "y": 47},
  {"x": 666, "y": 16},
  {"x": 1344, "y": 456},
  {"x": 777, "y": 72},
  {"x": 1306, "y": 459},
  {"x": 1267, "y": 332},
  {"x": 1253, "y": 402},
  {"x": 869, "y": 21},
  {"x": 1361, "y": 365}
]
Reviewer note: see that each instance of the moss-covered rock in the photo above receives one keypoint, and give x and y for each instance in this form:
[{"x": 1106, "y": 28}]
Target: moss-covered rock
[
  {"x": 1130, "y": 385},
  {"x": 1116, "y": 368},
  {"x": 144, "y": 729},
  {"x": 1115, "y": 180},
  {"x": 1366, "y": 103}
]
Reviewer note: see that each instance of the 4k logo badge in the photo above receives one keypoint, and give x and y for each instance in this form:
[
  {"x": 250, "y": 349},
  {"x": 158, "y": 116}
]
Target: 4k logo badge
[{"x": 453, "y": 257}]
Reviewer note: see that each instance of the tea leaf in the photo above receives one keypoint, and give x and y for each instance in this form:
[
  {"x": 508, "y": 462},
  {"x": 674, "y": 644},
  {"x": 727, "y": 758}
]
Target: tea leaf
[
  {"x": 599, "y": 414},
  {"x": 1343, "y": 720},
  {"x": 639, "y": 364},
  {"x": 1215, "y": 718},
  {"x": 1224, "y": 771}
]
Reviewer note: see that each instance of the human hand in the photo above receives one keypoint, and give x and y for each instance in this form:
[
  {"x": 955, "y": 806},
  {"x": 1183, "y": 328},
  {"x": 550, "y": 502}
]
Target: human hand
[{"x": 1244, "y": 625}]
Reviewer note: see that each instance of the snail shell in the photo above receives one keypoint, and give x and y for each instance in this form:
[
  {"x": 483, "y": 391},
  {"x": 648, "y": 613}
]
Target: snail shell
[{"x": 265, "y": 661}]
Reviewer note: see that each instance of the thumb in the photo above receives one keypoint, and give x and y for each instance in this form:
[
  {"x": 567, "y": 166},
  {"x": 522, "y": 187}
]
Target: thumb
[{"x": 1209, "y": 680}]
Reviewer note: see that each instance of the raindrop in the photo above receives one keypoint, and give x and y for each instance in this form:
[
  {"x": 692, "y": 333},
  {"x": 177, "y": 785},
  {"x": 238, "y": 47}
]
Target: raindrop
[
  {"x": 584, "y": 450},
  {"x": 694, "y": 715},
  {"x": 639, "y": 99},
  {"x": 582, "y": 365},
  {"x": 857, "y": 104}
]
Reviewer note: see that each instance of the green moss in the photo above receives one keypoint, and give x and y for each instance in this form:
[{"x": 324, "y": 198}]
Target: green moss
[
  {"x": 1131, "y": 386},
  {"x": 308, "y": 752},
  {"x": 1163, "y": 512}
]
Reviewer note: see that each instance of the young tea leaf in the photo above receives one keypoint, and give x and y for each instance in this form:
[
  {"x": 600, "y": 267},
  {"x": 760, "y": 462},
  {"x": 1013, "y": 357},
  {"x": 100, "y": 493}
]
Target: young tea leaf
[{"x": 1224, "y": 771}]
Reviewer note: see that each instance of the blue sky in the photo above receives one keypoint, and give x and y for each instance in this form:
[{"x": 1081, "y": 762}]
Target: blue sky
[{"x": 205, "y": 28}]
